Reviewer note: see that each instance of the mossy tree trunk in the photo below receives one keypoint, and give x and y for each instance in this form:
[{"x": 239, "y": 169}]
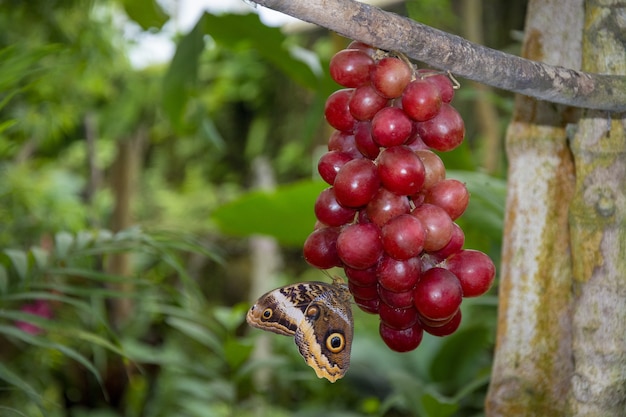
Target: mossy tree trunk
[
  {"x": 598, "y": 230},
  {"x": 561, "y": 347},
  {"x": 533, "y": 366}
]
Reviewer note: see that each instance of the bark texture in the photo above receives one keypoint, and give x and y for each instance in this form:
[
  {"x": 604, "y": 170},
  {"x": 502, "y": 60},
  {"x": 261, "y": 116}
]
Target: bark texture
[
  {"x": 598, "y": 225},
  {"x": 532, "y": 367},
  {"x": 448, "y": 52}
]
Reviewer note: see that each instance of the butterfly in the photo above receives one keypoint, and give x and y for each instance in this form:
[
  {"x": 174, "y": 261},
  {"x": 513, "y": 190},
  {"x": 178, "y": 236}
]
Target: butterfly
[{"x": 319, "y": 317}]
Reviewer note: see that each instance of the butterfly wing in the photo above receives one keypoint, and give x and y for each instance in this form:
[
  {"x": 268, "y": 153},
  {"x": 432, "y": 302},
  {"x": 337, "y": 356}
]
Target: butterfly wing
[
  {"x": 281, "y": 310},
  {"x": 324, "y": 335}
]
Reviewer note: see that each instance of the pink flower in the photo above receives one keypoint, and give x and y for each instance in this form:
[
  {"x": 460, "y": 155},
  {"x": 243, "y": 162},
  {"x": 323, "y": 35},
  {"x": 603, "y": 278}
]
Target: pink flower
[{"x": 39, "y": 308}]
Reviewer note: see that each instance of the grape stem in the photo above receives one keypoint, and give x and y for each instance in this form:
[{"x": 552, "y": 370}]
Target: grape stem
[{"x": 391, "y": 32}]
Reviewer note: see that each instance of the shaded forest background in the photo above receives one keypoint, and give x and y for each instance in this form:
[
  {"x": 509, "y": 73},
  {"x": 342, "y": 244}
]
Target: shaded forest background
[{"x": 130, "y": 212}]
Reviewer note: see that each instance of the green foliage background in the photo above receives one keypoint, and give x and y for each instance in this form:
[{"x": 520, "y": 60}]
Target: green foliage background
[{"x": 236, "y": 91}]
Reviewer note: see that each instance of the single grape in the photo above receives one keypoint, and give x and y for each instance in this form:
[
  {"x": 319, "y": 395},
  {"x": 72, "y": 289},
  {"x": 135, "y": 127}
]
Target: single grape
[
  {"x": 391, "y": 127},
  {"x": 397, "y": 318},
  {"x": 390, "y": 76},
  {"x": 437, "y": 224},
  {"x": 453, "y": 246},
  {"x": 449, "y": 194},
  {"x": 364, "y": 293},
  {"x": 398, "y": 276},
  {"x": 366, "y": 102},
  {"x": 369, "y": 306},
  {"x": 364, "y": 141},
  {"x": 356, "y": 183},
  {"x": 337, "y": 111},
  {"x": 330, "y": 212},
  {"x": 443, "y": 132},
  {"x": 320, "y": 248},
  {"x": 402, "y": 299},
  {"x": 344, "y": 142},
  {"x": 446, "y": 329},
  {"x": 434, "y": 169},
  {"x": 414, "y": 142},
  {"x": 475, "y": 271},
  {"x": 438, "y": 294},
  {"x": 351, "y": 67},
  {"x": 362, "y": 277},
  {"x": 403, "y": 237},
  {"x": 401, "y": 340},
  {"x": 421, "y": 100},
  {"x": 359, "y": 245},
  {"x": 400, "y": 170},
  {"x": 371, "y": 51},
  {"x": 330, "y": 163},
  {"x": 386, "y": 205},
  {"x": 440, "y": 80}
]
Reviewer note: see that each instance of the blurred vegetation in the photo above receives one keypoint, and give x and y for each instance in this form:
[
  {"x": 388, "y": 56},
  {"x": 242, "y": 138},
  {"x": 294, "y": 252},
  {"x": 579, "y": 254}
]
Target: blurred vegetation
[{"x": 127, "y": 298}]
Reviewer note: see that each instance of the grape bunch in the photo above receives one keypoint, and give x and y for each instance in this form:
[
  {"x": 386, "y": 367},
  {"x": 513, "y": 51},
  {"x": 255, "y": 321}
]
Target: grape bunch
[{"x": 388, "y": 216}]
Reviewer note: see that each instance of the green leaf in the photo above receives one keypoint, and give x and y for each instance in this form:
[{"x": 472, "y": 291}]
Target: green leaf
[
  {"x": 43, "y": 342},
  {"x": 39, "y": 257},
  {"x": 4, "y": 280},
  {"x": 63, "y": 241},
  {"x": 285, "y": 213},
  {"x": 12, "y": 378},
  {"x": 487, "y": 202},
  {"x": 235, "y": 30},
  {"x": 198, "y": 333},
  {"x": 182, "y": 74},
  {"x": 437, "y": 406},
  {"x": 19, "y": 262},
  {"x": 459, "y": 354},
  {"x": 147, "y": 13}
]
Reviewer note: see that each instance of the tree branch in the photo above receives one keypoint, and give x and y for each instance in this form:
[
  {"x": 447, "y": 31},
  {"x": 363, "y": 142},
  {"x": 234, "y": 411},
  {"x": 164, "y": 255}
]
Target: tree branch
[{"x": 448, "y": 52}]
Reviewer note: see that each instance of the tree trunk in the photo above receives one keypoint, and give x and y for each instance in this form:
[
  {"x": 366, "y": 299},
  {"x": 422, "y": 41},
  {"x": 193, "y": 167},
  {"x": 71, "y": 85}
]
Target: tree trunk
[
  {"x": 125, "y": 171},
  {"x": 598, "y": 219},
  {"x": 533, "y": 367}
]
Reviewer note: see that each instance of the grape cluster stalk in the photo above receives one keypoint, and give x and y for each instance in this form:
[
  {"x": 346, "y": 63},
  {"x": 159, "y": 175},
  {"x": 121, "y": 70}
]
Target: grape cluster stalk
[{"x": 387, "y": 217}]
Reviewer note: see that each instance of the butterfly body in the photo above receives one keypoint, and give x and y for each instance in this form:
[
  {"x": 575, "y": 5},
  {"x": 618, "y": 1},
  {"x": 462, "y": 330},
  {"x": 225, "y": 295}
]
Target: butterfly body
[{"x": 319, "y": 317}]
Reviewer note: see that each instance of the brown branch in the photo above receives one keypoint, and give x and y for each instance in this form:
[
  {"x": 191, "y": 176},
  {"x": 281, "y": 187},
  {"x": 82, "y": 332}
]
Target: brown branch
[{"x": 452, "y": 53}]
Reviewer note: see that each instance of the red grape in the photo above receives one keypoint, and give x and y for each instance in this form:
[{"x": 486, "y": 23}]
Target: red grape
[
  {"x": 369, "y": 306},
  {"x": 451, "y": 195},
  {"x": 364, "y": 141},
  {"x": 390, "y": 76},
  {"x": 351, "y": 67},
  {"x": 330, "y": 163},
  {"x": 359, "y": 246},
  {"x": 438, "y": 294},
  {"x": 434, "y": 170},
  {"x": 443, "y": 132},
  {"x": 386, "y": 205},
  {"x": 398, "y": 276},
  {"x": 356, "y": 183},
  {"x": 475, "y": 271},
  {"x": 421, "y": 100},
  {"x": 320, "y": 248},
  {"x": 362, "y": 277},
  {"x": 401, "y": 340},
  {"x": 330, "y": 212},
  {"x": 391, "y": 127},
  {"x": 402, "y": 299},
  {"x": 442, "y": 82},
  {"x": 437, "y": 224},
  {"x": 400, "y": 170},
  {"x": 453, "y": 246},
  {"x": 337, "y": 111},
  {"x": 449, "y": 327},
  {"x": 396, "y": 317},
  {"x": 366, "y": 102},
  {"x": 403, "y": 237}
]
